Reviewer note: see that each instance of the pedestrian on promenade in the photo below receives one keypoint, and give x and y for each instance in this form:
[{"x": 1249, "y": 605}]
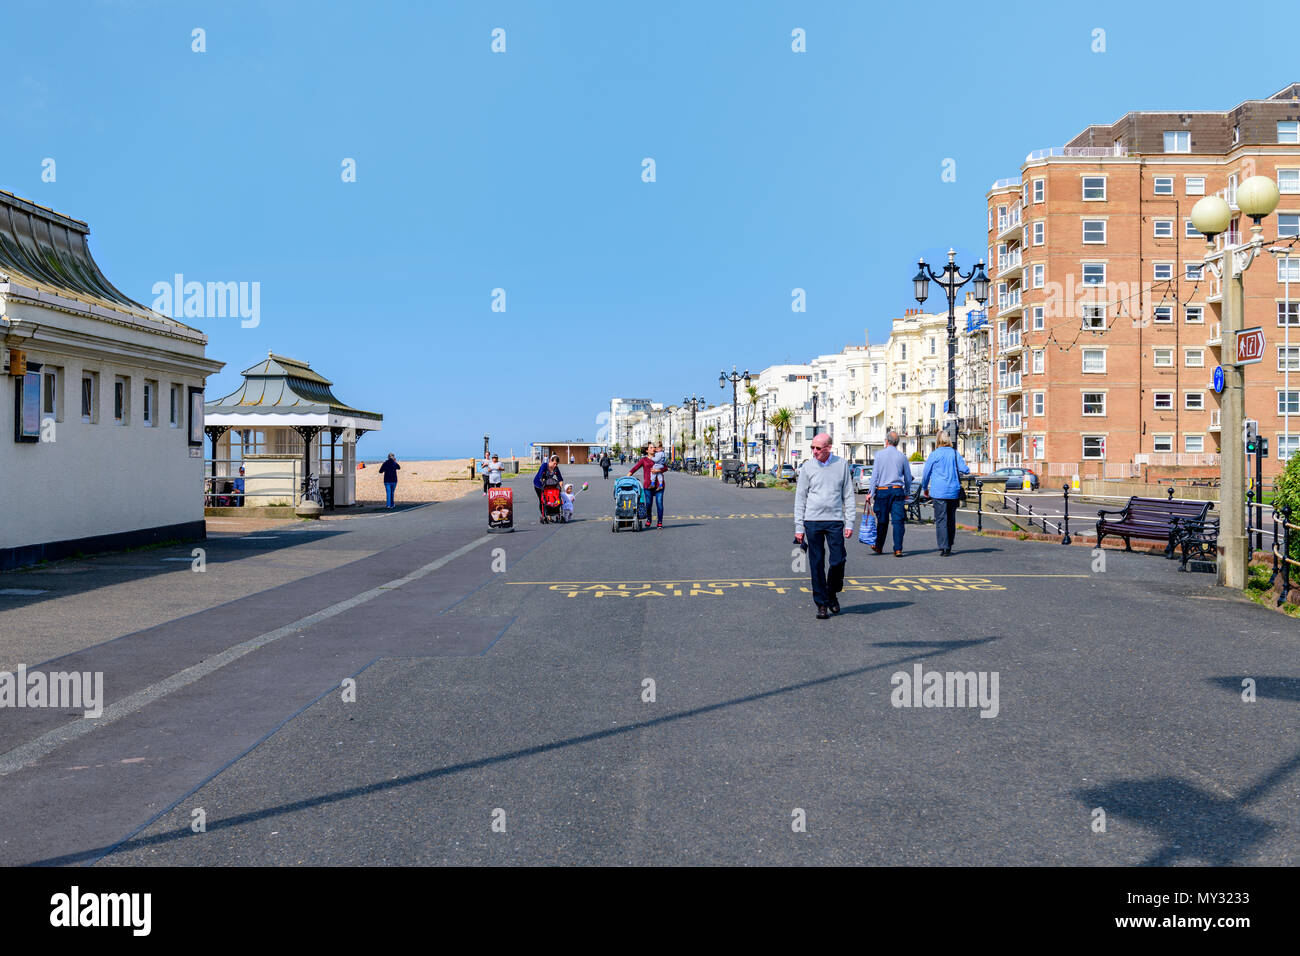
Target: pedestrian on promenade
[
  {"x": 483, "y": 470},
  {"x": 551, "y": 469},
  {"x": 891, "y": 483},
  {"x": 604, "y": 464},
  {"x": 941, "y": 480},
  {"x": 389, "y": 470},
  {"x": 824, "y": 509},
  {"x": 494, "y": 470},
  {"x": 649, "y": 492},
  {"x": 239, "y": 488}
]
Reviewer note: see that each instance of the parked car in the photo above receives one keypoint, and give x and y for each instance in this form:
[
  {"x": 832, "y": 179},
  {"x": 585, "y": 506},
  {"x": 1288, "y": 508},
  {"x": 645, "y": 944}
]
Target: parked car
[
  {"x": 861, "y": 477},
  {"x": 1013, "y": 477},
  {"x": 786, "y": 472}
]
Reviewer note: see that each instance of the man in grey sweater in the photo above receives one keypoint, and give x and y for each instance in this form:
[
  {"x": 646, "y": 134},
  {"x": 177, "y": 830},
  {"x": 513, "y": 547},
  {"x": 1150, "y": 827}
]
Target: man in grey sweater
[{"x": 824, "y": 509}]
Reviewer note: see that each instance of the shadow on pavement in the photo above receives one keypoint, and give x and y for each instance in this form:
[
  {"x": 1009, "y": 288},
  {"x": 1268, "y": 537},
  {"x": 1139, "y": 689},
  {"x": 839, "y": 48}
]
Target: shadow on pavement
[{"x": 338, "y": 796}]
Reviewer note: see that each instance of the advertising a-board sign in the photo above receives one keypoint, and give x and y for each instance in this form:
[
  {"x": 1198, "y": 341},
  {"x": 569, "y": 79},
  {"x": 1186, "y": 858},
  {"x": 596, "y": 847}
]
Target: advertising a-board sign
[{"x": 501, "y": 509}]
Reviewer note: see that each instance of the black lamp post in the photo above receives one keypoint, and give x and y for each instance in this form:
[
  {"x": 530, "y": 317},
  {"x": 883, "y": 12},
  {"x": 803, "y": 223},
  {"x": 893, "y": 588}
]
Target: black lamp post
[
  {"x": 951, "y": 280},
  {"x": 764, "y": 439},
  {"x": 735, "y": 378},
  {"x": 694, "y": 404}
]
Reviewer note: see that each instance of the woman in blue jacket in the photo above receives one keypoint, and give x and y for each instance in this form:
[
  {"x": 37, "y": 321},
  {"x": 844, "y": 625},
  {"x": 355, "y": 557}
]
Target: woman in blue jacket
[
  {"x": 942, "y": 482},
  {"x": 552, "y": 467}
]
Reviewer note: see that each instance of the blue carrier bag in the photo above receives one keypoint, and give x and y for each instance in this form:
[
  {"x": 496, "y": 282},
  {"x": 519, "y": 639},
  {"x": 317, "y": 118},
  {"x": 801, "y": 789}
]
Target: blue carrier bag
[{"x": 867, "y": 530}]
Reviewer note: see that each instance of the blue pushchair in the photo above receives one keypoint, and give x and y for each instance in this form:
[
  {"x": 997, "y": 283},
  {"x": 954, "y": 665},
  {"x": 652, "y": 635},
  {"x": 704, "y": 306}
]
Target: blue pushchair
[{"x": 629, "y": 504}]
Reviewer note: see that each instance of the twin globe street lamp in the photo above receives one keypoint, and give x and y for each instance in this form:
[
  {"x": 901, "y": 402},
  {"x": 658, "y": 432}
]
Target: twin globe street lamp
[
  {"x": 1257, "y": 197},
  {"x": 734, "y": 378},
  {"x": 951, "y": 280}
]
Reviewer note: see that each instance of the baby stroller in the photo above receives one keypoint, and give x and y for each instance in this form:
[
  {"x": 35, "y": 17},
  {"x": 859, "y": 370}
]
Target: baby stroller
[
  {"x": 551, "y": 501},
  {"x": 628, "y": 504}
]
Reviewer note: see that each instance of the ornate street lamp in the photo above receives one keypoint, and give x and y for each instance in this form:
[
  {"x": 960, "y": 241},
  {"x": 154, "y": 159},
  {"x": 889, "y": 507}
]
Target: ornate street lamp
[
  {"x": 1257, "y": 197},
  {"x": 951, "y": 280},
  {"x": 694, "y": 404},
  {"x": 735, "y": 378}
]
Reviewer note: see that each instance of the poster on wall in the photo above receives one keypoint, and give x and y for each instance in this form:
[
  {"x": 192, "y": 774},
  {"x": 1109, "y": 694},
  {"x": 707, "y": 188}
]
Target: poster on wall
[
  {"x": 501, "y": 509},
  {"x": 196, "y": 417},
  {"x": 27, "y": 407}
]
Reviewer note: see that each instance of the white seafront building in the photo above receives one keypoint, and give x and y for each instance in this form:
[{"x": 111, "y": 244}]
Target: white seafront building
[
  {"x": 860, "y": 393},
  {"x": 102, "y": 422}
]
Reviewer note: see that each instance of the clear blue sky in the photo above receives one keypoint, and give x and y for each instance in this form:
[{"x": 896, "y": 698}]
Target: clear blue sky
[{"x": 522, "y": 171}]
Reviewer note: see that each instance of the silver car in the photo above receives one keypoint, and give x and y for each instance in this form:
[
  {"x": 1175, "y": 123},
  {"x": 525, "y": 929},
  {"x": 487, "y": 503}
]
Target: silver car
[{"x": 861, "y": 477}]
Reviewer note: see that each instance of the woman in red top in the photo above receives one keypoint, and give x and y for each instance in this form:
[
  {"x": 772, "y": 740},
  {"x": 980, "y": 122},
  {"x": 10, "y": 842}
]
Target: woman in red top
[{"x": 648, "y": 492}]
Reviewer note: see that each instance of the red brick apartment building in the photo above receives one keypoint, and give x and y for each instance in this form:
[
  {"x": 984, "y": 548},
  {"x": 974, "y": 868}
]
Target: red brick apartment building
[{"x": 1105, "y": 320}]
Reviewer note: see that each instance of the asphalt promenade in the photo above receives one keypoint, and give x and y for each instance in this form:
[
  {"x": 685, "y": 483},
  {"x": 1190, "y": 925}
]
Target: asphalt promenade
[{"x": 568, "y": 695}]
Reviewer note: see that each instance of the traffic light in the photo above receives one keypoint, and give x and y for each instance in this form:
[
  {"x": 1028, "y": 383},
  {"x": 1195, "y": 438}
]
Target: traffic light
[{"x": 1251, "y": 436}]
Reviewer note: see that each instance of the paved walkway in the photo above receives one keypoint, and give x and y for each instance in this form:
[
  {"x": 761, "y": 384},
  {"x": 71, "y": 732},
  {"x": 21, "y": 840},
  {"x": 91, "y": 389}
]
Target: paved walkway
[{"x": 564, "y": 694}]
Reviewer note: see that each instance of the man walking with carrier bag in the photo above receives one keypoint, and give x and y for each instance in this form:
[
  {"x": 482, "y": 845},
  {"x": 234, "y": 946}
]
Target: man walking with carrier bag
[
  {"x": 824, "y": 507},
  {"x": 891, "y": 483}
]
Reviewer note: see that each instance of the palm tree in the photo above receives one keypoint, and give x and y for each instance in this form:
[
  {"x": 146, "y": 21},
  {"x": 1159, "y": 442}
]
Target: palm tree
[
  {"x": 751, "y": 408},
  {"x": 709, "y": 432},
  {"x": 782, "y": 422}
]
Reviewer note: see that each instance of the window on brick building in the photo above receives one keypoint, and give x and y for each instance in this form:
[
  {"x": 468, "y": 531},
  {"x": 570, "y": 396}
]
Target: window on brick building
[
  {"x": 1040, "y": 275},
  {"x": 1163, "y": 271},
  {"x": 1288, "y": 358},
  {"x": 1195, "y": 185},
  {"x": 1163, "y": 358},
  {"x": 1094, "y": 316},
  {"x": 1040, "y": 233},
  {"x": 1040, "y": 190},
  {"x": 1194, "y": 271},
  {"x": 1189, "y": 230},
  {"x": 1162, "y": 314},
  {"x": 1288, "y": 224},
  {"x": 1094, "y": 403},
  {"x": 1094, "y": 446},
  {"x": 1162, "y": 443},
  {"x": 1288, "y": 180},
  {"x": 1164, "y": 185},
  {"x": 1178, "y": 141},
  {"x": 1288, "y": 403},
  {"x": 1094, "y": 360},
  {"x": 1163, "y": 228},
  {"x": 1094, "y": 273},
  {"x": 1194, "y": 314},
  {"x": 1193, "y": 444},
  {"x": 1163, "y": 401},
  {"x": 1038, "y": 318},
  {"x": 1288, "y": 313},
  {"x": 1194, "y": 401},
  {"x": 1288, "y": 269},
  {"x": 1288, "y": 131},
  {"x": 1094, "y": 188},
  {"x": 1040, "y": 402},
  {"x": 1194, "y": 358},
  {"x": 1037, "y": 359},
  {"x": 1094, "y": 230},
  {"x": 1287, "y": 445}
]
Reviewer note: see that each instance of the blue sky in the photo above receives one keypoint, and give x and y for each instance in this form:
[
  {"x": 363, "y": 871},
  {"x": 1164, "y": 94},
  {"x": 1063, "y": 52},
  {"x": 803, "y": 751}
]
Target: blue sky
[{"x": 522, "y": 171}]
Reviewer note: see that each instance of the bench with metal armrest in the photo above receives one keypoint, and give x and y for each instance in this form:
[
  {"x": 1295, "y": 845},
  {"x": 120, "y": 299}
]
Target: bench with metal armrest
[{"x": 1151, "y": 519}]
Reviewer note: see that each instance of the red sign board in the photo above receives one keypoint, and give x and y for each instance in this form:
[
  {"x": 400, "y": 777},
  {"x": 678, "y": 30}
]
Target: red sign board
[
  {"x": 501, "y": 509},
  {"x": 1250, "y": 346}
]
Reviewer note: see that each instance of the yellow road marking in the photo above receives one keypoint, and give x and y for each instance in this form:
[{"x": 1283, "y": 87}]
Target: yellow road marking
[{"x": 804, "y": 577}]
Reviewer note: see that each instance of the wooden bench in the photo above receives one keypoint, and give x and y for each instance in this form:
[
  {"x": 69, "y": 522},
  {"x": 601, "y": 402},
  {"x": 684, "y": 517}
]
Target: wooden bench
[
  {"x": 748, "y": 476},
  {"x": 1152, "y": 519}
]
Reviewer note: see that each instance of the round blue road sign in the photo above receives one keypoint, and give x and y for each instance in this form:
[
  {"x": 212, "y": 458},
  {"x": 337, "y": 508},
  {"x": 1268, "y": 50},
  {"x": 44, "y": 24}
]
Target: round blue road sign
[{"x": 1218, "y": 378}]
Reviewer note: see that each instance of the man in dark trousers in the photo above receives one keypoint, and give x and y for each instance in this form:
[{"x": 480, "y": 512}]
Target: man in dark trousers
[
  {"x": 604, "y": 464},
  {"x": 389, "y": 470},
  {"x": 824, "y": 508},
  {"x": 891, "y": 484}
]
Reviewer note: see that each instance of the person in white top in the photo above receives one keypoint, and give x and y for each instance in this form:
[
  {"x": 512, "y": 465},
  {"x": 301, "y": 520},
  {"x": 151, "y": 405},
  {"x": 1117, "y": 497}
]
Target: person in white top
[{"x": 493, "y": 472}]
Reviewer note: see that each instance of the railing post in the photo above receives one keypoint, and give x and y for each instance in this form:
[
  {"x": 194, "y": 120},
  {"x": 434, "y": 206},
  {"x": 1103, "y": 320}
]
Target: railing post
[
  {"x": 1170, "y": 489},
  {"x": 1273, "y": 577},
  {"x": 1250, "y": 538},
  {"x": 1286, "y": 553},
  {"x": 979, "y": 504},
  {"x": 1065, "y": 489}
]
